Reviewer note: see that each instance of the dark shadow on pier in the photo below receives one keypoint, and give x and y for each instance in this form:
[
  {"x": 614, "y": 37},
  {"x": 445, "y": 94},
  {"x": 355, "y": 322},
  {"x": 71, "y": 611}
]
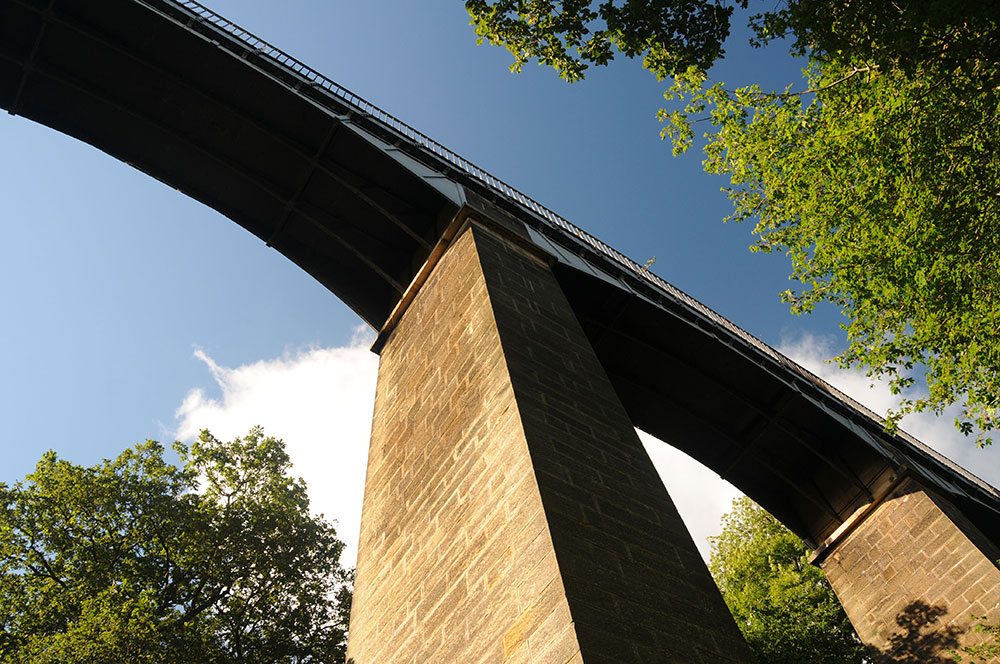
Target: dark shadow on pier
[{"x": 918, "y": 641}]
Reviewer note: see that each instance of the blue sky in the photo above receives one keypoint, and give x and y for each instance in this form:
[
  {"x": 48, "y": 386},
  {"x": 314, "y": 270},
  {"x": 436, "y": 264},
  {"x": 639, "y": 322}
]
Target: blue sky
[{"x": 112, "y": 282}]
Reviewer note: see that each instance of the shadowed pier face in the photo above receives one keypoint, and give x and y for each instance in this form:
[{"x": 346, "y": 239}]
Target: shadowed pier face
[
  {"x": 507, "y": 461},
  {"x": 511, "y": 513}
]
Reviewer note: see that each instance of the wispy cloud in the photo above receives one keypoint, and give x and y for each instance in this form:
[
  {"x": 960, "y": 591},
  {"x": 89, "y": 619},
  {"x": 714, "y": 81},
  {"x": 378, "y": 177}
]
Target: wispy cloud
[
  {"x": 702, "y": 497},
  {"x": 937, "y": 431},
  {"x": 319, "y": 401}
]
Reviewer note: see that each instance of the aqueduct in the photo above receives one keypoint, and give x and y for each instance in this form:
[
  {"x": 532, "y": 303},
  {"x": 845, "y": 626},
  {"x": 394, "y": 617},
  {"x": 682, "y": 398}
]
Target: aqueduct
[{"x": 511, "y": 514}]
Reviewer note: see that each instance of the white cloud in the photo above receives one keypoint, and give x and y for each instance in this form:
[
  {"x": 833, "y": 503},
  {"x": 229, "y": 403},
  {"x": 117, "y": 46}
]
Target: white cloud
[
  {"x": 319, "y": 401},
  {"x": 938, "y": 432},
  {"x": 702, "y": 497}
]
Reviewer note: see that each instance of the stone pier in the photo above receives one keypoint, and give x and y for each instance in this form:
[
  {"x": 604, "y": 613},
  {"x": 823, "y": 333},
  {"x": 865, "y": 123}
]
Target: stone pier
[
  {"x": 910, "y": 573},
  {"x": 511, "y": 514}
]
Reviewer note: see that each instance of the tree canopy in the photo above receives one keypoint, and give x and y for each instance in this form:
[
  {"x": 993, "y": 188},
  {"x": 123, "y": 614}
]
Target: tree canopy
[
  {"x": 878, "y": 176},
  {"x": 138, "y": 560},
  {"x": 784, "y": 606}
]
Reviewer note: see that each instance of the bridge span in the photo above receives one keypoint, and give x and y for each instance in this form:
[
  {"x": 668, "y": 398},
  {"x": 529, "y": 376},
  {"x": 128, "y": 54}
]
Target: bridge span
[{"x": 378, "y": 213}]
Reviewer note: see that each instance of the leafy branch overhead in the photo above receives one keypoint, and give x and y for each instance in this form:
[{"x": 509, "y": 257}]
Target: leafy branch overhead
[
  {"x": 878, "y": 175},
  {"x": 570, "y": 35}
]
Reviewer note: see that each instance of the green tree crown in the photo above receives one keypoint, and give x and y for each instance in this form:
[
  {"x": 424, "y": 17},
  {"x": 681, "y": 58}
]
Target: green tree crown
[
  {"x": 139, "y": 560},
  {"x": 783, "y": 605}
]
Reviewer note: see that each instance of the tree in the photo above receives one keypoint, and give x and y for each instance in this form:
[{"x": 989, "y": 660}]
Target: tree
[
  {"x": 138, "y": 560},
  {"x": 784, "y": 606},
  {"x": 878, "y": 178}
]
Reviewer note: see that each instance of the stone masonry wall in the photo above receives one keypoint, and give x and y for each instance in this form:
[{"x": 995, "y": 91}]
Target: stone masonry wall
[
  {"x": 511, "y": 514},
  {"x": 909, "y": 577}
]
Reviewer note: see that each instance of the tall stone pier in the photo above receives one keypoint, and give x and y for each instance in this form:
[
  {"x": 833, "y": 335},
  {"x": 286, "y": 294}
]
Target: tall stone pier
[
  {"x": 911, "y": 571},
  {"x": 511, "y": 514}
]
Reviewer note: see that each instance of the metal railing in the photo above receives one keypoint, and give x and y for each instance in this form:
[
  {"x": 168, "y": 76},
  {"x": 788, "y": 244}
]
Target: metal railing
[
  {"x": 362, "y": 106},
  {"x": 261, "y": 48}
]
